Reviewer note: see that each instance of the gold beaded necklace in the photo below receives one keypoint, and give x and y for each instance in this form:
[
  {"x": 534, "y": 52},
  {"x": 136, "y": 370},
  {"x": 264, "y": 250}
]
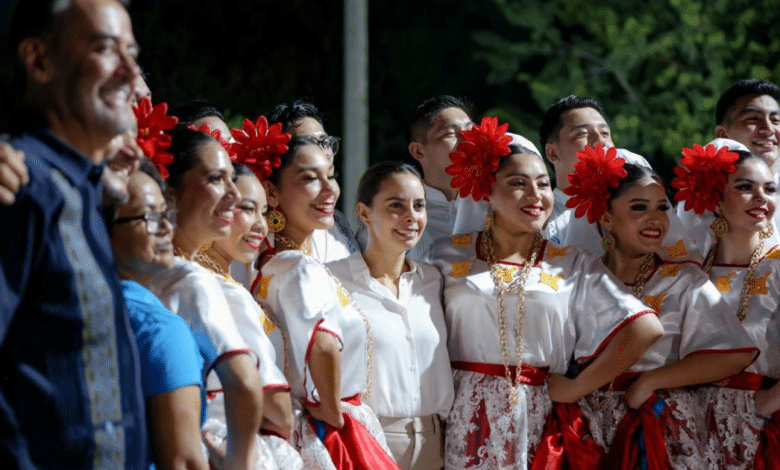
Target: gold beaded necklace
[
  {"x": 755, "y": 257},
  {"x": 342, "y": 292},
  {"x": 647, "y": 266},
  {"x": 517, "y": 284}
]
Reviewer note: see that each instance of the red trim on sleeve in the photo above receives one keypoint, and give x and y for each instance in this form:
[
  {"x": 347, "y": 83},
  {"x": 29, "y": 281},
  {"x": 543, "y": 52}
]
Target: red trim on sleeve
[
  {"x": 612, "y": 334},
  {"x": 283, "y": 387},
  {"x": 317, "y": 328},
  {"x": 229, "y": 354},
  {"x": 729, "y": 351}
]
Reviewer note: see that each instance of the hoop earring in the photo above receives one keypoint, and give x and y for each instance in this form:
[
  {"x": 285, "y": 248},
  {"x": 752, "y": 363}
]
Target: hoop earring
[
  {"x": 276, "y": 221},
  {"x": 767, "y": 232},
  {"x": 488, "y": 220},
  {"x": 719, "y": 227},
  {"x": 608, "y": 242}
]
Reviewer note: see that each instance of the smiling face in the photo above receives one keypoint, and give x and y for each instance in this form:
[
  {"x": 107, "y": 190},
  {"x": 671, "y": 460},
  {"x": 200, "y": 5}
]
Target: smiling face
[
  {"x": 581, "y": 127},
  {"x": 396, "y": 218},
  {"x": 94, "y": 70},
  {"x": 139, "y": 253},
  {"x": 249, "y": 228},
  {"x": 442, "y": 138},
  {"x": 207, "y": 197},
  {"x": 755, "y": 123},
  {"x": 749, "y": 199},
  {"x": 123, "y": 157},
  {"x": 637, "y": 218},
  {"x": 521, "y": 197},
  {"x": 306, "y": 192}
]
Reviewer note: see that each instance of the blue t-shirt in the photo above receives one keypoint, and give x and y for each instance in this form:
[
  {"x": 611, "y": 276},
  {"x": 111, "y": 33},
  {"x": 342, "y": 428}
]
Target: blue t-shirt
[{"x": 169, "y": 356}]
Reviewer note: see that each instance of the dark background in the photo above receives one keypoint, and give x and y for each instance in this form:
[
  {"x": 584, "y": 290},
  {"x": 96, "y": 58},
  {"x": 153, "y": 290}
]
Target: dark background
[{"x": 658, "y": 66}]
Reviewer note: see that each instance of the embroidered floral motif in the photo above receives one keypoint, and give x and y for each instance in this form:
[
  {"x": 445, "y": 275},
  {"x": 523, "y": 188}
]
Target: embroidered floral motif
[
  {"x": 344, "y": 299},
  {"x": 507, "y": 274},
  {"x": 551, "y": 280},
  {"x": 723, "y": 283},
  {"x": 262, "y": 286},
  {"x": 461, "y": 269},
  {"x": 677, "y": 250},
  {"x": 268, "y": 325},
  {"x": 773, "y": 254},
  {"x": 555, "y": 252},
  {"x": 461, "y": 240},
  {"x": 654, "y": 302},
  {"x": 758, "y": 285},
  {"x": 669, "y": 270}
]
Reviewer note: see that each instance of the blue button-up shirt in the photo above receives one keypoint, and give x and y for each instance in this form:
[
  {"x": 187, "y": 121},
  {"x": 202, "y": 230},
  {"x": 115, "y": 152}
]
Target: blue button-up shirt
[{"x": 70, "y": 392}]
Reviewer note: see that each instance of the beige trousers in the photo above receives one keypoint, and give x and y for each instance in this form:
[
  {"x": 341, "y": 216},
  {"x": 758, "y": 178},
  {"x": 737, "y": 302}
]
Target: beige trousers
[{"x": 416, "y": 443}]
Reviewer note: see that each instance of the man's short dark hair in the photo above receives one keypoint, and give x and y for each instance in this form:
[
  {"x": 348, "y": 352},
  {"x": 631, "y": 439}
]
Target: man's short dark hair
[
  {"x": 194, "y": 110},
  {"x": 552, "y": 122},
  {"x": 291, "y": 114},
  {"x": 747, "y": 87},
  {"x": 422, "y": 118}
]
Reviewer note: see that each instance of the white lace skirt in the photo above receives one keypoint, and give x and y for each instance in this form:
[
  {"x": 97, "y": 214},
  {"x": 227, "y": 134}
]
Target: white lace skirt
[
  {"x": 731, "y": 429},
  {"x": 681, "y": 426},
  {"x": 485, "y": 432},
  {"x": 314, "y": 454}
]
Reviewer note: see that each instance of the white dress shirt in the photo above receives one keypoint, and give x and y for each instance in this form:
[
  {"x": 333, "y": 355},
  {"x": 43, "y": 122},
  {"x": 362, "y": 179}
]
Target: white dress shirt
[{"x": 411, "y": 374}]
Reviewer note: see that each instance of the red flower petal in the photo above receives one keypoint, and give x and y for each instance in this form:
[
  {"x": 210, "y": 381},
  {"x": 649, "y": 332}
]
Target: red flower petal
[
  {"x": 259, "y": 146},
  {"x": 593, "y": 175},
  {"x": 703, "y": 176},
  {"x": 153, "y": 124}
]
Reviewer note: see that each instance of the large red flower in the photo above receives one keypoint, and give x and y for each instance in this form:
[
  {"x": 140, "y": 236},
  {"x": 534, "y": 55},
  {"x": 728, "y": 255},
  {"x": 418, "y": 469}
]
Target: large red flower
[
  {"x": 259, "y": 146},
  {"x": 476, "y": 158},
  {"x": 593, "y": 175},
  {"x": 217, "y": 134},
  {"x": 703, "y": 176},
  {"x": 153, "y": 122}
]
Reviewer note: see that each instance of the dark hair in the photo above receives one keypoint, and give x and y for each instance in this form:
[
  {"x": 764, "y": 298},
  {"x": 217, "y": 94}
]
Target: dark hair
[
  {"x": 552, "y": 123},
  {"x": 748, "y": 87},
  {"x": 291, "y": 114},
  {"x": 421, "y": 120},
  {"x": 635, "y": 173},
  {"x": 515, "y": 149},
  {"x": 374, "y": 176},
  {"x": 147, "y": 167},
  {"x": 193, "y": 110},
  {"x": 293, "y": 147},
  {"x": 241, "y": 170},
  {"x": 185, "y": 144},
  {"x": 42, "y": 19}
]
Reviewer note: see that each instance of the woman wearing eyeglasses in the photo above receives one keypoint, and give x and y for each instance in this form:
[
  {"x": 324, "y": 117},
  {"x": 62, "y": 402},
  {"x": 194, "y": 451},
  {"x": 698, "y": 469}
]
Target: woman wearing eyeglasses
[
  {"x": 201, "y": 187},
  {"x": 171, "y": 366}
]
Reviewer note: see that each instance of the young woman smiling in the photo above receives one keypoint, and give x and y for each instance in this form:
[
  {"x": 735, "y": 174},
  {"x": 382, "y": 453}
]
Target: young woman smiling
[
  {"x": 519, "y": 309},
  {"x": 702, "y": 340},
  {"x": 201, "y": 188},
  {"x": 325, "y": 333},
  {"x": 745, "y": 267},
  {"x": 411, "y": 378}
]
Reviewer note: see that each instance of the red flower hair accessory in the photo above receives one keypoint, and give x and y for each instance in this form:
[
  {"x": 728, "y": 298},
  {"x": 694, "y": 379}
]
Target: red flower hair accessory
[
  {"x": 703, "y": 176},
  {"x": 217, "y": 134},
  {"x": 153, "y": 122},
  {"x": 476, "y": 158},
  {"x": 259, "y": 146},
  {"x": 593, "y": 175}
]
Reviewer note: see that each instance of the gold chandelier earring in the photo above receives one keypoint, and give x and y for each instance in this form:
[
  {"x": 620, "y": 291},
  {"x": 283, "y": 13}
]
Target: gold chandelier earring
[
  {"x": 488, "y": 219},
  {"x": 608, "y": 242},
  {"x": 276, "y": 220},
  {"x": 767, "y": 232},
  {"x": 719, "y": 227}
]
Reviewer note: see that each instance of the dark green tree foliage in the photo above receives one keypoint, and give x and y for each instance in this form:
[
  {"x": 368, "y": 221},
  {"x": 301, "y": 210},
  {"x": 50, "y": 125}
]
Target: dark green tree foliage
[{"x": 658, "y": 67}]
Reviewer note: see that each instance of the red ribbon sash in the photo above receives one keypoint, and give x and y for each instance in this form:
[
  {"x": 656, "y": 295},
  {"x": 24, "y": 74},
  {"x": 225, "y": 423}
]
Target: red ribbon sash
[
  {"x": 353, "y": 447},
  {"x": 640, "y": 438},
  {"x": 528, "y": 375},
  {"x": 566, "y": 441},
  {"x": 769, "y": 447}
]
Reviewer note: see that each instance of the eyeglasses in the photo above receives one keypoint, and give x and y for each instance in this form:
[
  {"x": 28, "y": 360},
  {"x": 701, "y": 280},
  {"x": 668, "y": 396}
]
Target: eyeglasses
[
  {"x": 330, "y": 142},
  {"x": 153, "y": 220}
]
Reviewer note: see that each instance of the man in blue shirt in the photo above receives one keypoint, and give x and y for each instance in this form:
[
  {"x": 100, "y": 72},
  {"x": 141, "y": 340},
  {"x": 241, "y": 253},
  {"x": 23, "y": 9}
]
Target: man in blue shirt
[{"x": 69, "y": 377}]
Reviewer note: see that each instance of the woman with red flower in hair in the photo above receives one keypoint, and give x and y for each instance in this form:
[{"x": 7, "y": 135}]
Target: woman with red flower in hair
[
  {"x": 702, "y": 340},
  {"x": 327, "y": 347},
  {"x": 744, "y": 265},
  {"x": 519, "y": 309}
]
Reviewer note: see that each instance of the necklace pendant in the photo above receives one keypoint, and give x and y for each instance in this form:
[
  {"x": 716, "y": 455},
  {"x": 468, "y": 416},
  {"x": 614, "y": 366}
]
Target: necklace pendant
[{"x": 514, "y": 395}]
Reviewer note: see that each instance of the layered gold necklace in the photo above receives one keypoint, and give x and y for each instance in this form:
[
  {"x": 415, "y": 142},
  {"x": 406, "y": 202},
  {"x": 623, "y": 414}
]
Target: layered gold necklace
[{"x": 518, "y": 285}]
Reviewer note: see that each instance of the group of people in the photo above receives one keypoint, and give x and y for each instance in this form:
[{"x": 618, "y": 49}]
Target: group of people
[{"x": 179, "y": 294}]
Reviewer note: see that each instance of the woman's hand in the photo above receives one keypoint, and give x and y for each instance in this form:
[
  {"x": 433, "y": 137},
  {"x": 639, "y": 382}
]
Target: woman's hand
[
  {"x": 767, "y": 401},
  {"x": 638, "y": 393},
  {"x": 329, "y": 414},
  {"x": 562, "y": 389},
  {"x": 218, "y": 458}
]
